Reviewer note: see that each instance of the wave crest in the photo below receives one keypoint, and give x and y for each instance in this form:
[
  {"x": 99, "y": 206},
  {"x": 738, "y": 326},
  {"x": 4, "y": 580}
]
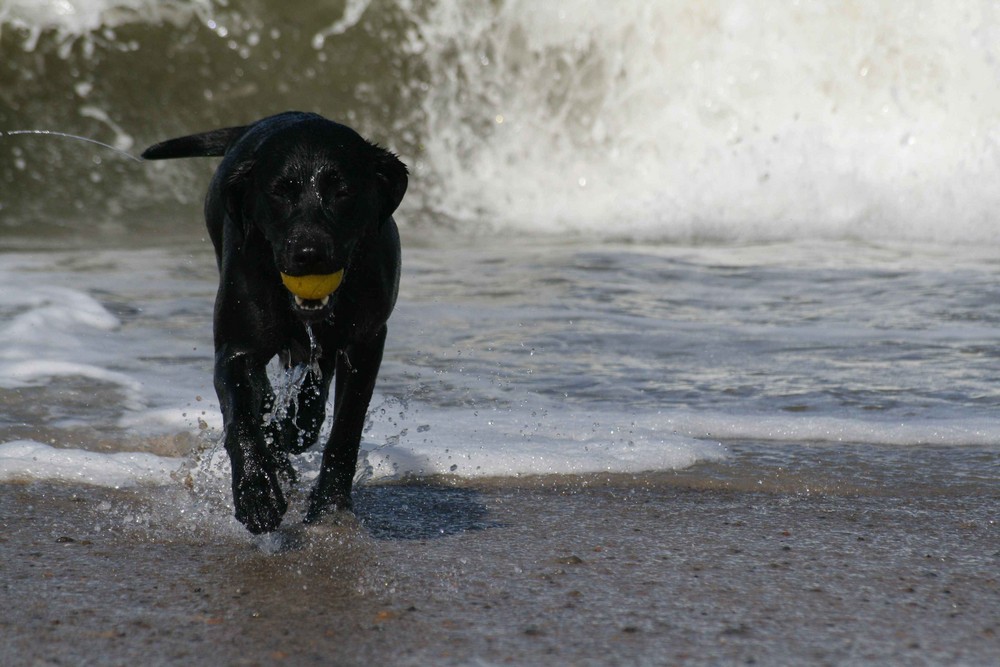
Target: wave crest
[{"x": 670, "y": 121}]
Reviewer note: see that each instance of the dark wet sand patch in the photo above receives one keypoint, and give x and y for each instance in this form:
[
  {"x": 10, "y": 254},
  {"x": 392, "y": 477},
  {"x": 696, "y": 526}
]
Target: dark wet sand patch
[{"x": 597, "y": 575}]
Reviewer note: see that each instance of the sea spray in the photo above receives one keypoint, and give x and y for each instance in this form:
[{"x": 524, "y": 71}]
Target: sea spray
[
  {"x": 120, "y": 149},
  {"x": 714, "y": 121}
]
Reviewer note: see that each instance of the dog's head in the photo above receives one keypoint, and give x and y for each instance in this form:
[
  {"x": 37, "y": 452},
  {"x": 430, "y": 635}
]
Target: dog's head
[{"x": 315, "y": 191}]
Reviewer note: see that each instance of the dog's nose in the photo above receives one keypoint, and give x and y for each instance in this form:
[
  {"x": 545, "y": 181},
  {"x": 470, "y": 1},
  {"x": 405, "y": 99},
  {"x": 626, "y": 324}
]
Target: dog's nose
[
  {"x": 306, "y": 255},
  {"x": 307, "y": 251}
]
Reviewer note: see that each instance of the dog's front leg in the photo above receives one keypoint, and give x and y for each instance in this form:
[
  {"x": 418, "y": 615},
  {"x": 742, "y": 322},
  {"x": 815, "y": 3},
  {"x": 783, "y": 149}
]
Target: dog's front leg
[
  {"x": 357, "y": 370},
  {"x": 243, "y": 388}
]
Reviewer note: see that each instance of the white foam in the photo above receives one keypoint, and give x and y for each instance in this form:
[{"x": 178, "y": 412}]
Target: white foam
[
  {"x": 737, "y": 121},
  {"x": 49, "y": 310},
  {"x": 461, "y": 442},
  {"x": 74, "y": 18},
  {"x": 823, "y": 429},
  {"x": 518, "y": 442},
  {"x": 25, "y": 460},
  {"x": 56, "y": 332}
]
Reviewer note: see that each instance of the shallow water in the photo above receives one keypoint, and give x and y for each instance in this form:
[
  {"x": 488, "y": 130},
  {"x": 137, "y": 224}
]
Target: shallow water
[
  {"x": 553, "y": 358},
  {"x": 825, "y": 368}
]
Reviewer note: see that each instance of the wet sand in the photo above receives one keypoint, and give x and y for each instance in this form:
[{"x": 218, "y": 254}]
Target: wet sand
[{"x": 672, "y": 569}]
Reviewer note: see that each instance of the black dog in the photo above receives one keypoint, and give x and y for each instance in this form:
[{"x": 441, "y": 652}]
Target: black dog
[{"x": 300, "y": 214}]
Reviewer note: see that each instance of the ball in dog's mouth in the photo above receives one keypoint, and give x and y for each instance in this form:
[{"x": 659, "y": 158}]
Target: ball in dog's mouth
[{"x": 313, "y": 292}]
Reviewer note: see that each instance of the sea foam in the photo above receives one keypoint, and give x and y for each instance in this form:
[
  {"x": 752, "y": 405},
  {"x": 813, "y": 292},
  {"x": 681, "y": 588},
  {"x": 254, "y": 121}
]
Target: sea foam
[
  {"x": 710, "y": 121},
  {"x": 25, "y": 460}
]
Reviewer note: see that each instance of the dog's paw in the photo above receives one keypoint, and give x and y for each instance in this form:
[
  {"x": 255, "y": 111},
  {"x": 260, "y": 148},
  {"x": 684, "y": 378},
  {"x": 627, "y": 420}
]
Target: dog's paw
[{"x": 260, "y": 504}]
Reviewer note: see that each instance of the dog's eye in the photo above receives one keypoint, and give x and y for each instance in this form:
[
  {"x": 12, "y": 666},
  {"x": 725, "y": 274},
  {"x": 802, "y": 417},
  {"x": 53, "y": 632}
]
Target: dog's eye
[{"x": 333, "y": 186}]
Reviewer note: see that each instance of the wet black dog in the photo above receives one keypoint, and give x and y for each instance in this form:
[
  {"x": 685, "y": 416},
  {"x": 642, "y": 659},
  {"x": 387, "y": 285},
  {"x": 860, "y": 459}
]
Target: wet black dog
[{"x": 300, "y": 213}]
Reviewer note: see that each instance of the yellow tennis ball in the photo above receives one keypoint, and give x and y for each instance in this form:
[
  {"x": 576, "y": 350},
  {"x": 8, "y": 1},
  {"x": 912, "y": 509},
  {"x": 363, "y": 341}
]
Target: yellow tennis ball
[{"x": 313, "y": 287}]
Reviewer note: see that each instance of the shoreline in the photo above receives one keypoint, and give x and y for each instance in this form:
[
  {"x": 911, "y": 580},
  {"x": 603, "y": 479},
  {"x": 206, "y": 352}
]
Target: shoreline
[{"x": 657, "y": 573}]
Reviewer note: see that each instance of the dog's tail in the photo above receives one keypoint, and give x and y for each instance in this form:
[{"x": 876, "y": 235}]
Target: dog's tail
[{"x": 214, "y": 143}]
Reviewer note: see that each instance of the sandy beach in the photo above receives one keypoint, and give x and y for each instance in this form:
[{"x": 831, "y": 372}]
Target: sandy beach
[{"x": 676, "y": 568}]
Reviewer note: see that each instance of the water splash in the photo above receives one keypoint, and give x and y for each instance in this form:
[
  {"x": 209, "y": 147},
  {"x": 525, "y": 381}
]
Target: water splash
[
  {"x": 676, "y": 120},
  {"x": 289, "y": 382},
  {"x": 714, "y": 121},
  {"x": 86, "y": 20},
  {"x": 353, "y": 11},
  {"x": 120, "y": 149}
]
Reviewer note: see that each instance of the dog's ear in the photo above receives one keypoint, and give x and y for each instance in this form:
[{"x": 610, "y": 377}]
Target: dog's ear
[
  {"x": 392, "y": 178},
  {"x": 235, "y": 198}
]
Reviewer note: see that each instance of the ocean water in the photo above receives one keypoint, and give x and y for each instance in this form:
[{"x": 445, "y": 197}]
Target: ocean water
[{"x": 736, "y": 240}]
